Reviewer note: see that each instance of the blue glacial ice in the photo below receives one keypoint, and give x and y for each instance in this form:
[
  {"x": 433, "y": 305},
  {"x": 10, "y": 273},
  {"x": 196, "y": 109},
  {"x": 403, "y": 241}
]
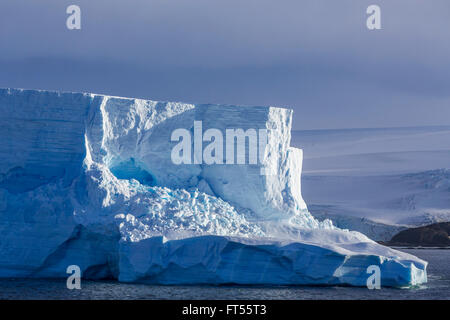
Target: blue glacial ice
[{"x": 87, "y": 180}]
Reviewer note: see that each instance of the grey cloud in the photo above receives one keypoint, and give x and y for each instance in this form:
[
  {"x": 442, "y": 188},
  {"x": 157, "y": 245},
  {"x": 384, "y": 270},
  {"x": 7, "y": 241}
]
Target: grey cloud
[{"x": 314, "y": 56}]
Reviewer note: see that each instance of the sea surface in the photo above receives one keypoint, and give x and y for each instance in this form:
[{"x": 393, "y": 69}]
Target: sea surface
[{"x": 438, "y": 287}]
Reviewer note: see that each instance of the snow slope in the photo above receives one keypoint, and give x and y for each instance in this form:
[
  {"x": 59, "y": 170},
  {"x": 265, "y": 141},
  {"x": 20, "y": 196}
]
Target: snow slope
[
  {"x": 87, "y": 179},
  {"x": 377, "y": 181}
]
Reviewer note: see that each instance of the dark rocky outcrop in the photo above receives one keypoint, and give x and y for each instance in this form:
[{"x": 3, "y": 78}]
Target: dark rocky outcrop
[{"x": 433, "y": 235}]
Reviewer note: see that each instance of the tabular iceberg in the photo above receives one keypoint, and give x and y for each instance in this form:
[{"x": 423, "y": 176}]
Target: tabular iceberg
[{"x": 88, "y": 180}]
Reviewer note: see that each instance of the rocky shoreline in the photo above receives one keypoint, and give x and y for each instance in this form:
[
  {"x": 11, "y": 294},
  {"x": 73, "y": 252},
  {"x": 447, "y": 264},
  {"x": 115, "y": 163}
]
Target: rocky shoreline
[{"x": 433, "y": 235}]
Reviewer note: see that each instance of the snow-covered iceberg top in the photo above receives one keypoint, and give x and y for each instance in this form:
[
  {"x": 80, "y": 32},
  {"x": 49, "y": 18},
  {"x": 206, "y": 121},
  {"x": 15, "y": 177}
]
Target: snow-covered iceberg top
[{"x": 90, "y": 180}]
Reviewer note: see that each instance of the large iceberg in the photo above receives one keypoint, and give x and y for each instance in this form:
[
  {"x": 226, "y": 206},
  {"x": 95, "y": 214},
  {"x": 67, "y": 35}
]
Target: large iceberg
[{"x": 88, "y": 180}]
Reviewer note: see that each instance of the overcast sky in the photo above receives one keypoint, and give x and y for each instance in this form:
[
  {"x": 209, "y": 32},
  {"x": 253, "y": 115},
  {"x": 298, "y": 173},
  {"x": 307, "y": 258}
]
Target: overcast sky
[{"x": 314, "y": 56}]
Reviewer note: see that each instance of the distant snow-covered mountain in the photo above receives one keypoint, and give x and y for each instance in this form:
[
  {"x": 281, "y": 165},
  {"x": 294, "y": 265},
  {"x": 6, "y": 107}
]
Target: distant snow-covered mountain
[{"x": 377, "y": 181}]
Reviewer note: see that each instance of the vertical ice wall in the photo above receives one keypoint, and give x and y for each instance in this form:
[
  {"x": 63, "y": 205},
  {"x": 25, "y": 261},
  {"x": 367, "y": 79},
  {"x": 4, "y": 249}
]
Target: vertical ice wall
[
  {"x": 42, "y": 136},
  {"x": 274, "y": 194},
  {"x": 133, "y": 137},
  {"x": 41, "y": 151}
]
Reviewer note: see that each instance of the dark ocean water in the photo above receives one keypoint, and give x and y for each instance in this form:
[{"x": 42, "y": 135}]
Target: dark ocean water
[{"x": 438, "y": 287}]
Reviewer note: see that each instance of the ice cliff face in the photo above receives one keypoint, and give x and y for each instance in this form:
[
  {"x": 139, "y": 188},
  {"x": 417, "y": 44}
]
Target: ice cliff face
[{"x": 88, "y": 180}]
